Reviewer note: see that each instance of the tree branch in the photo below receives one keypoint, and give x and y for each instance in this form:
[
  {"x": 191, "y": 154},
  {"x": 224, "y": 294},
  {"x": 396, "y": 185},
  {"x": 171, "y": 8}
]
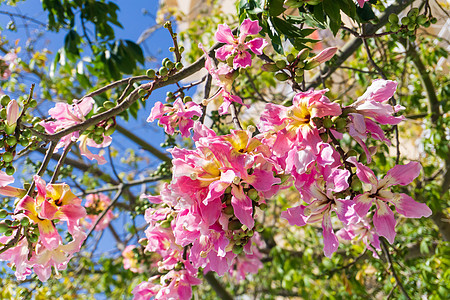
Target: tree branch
[
  {"x": 221, "y": 292},
  {"x": 146, "y": 146},
  {"x": 351, "y": 46},
  {"x": 392, "y": 268}
]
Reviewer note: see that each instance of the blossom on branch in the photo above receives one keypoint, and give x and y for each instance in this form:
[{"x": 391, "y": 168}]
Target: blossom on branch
[
  {"x": 65, "y": 116},
  {"x": 238, "y": 46},
  {"x": 179, "y": 115}
]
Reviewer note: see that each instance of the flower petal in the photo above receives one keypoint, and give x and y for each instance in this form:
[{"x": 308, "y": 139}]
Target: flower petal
[
  {"x": 330, "y": 241},
  {"x": 242, "y": 206},
  {"x": 406, "y": 206},
  {"x": 224, "y": 34},
  {"x": 384, "y": 221},
  {"x": 401, "y": 174}
]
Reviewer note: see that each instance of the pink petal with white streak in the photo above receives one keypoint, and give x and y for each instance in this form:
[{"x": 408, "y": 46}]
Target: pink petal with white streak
[
  {"x": 384, "y": 221},
  {"x": 408, "y": 207}
]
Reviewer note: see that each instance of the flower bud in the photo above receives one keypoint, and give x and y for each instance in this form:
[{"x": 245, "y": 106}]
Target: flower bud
[
  {"x": 252, "y": 194},
  {"x": 237, "y": 249},
  {"x": 4, "y": 100},
  {"x": 3, "y": 227},
  {"x": 269, "y": 67},
  {"x": 281, "y": 64},
  {"x": 282, "y": 76},
  {"x": 25, "y": 222},
  {"x": 12, "y": 115},
  {"x": 163, "y": 71},
  {"x": 327, "y": 123},
  {"x": 303, "y": 54},
  {"x": 290, "y": 57},
  {"x": 150, "y": 73},
  {"x": 234, "y": 225},
  {"x": 228, "y": 210},
  {"x": 323, "y": 56}
]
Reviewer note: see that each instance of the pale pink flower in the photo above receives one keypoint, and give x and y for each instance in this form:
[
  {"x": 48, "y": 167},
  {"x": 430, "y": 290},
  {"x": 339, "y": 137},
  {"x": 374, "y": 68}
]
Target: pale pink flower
[
  {"x": 320, "y": 210},
  {"x": 238, "y": 46},
  {"x": 5, "y": 179},
  {"x": 370, "y": 108},
  {"x": 7, "y": 64},
  {"x": 146, "y": 290},
  {"x": 56, "y": 259},
  {"x": 65, "y": 116},
  {"x": 130, "y": 261},
  {"x": 95, "y": 205},
  {"x": 380, "y": 195},
  {"x": 362, "y": 231},
  {"x": 224, "y": 77},
  {"x": 179, "y": 115},
  {"x": 17, "y": 256}
]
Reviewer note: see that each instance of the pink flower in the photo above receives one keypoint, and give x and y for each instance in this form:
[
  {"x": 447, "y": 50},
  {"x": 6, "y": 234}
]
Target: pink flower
[
  {"x": 54, "y": 201},
  {"x": 7, "y": 63},
  {"x": 294, "y": 124},
  {"x": 224, "y": 77},
  {"x": 95, "y": 205},
  {"x": 66, "y": 116},
  {"x": 320, "y": 210},
  {"x": 370, "y": 107},
  {"x": 17, "y": 256},
  {"x": 57, "y": 258},
  {"x": 179, "y": 115},
  {"x": 129, "y": 260},
  {"x": 5, "y": 179},
  {"x": 362, "y": 2},
  {"x": 362, "y": 231},
  {"x": 374, "y": 102},
  {"x": 238, "y": 45},
  {"x": 380, "y": 195}
]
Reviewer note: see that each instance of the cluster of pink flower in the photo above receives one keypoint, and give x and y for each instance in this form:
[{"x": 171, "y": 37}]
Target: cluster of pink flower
[
  {"x": 206, "y": 218},
  {"x": 64, "y": 116},
  {"x": 7, "y": 63},
  {"x": 32, "y": 240},
  {"x": 95, "y": 204}
]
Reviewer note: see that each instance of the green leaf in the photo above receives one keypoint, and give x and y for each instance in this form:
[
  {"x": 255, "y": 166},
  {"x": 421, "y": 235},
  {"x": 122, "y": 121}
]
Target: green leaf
[
  {"x": 274, "y": 36},
  {"x": 319, "y": 14},
  {"x": 332, "y": 9},
  {"x": 349, "y": 8},
  {"x": 136, "y": 51},
  {"x": 71, "y": 42},
  {"x": 276, "y": 7},
  {"x": 288, "y": 29},
  {"x": 366, "y": 13}
]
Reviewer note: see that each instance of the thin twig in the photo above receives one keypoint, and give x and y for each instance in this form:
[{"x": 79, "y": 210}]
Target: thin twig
[
  {"x": 103, "y": 214},
  {"x": 61, "y": 161},
  {"x": 23, "y": 17},
  {"x": 113, "y": 167},
  {"x": 124, "y": 185},
  {"x": 207, "y": 91},
  {"x": 392, "y": 268},
  {"x": 369, "y": 55},
  {"x": 234, "y": 117},
  {"x": 47, "y": 158}
]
